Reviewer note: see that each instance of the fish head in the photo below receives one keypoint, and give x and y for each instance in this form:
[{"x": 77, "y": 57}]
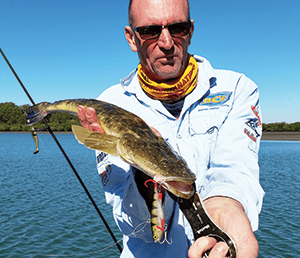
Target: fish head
[
  {"x": 156, "y": 158},
  {"x": 175, "y": 175}
]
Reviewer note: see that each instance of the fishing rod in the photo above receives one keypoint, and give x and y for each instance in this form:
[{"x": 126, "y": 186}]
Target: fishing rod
[{"x": 48, "y": 128}]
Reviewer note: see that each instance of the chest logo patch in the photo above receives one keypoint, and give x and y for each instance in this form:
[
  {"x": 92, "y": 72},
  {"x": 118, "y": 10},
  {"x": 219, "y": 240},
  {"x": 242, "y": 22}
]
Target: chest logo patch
[{"x": 216, "y": 98}]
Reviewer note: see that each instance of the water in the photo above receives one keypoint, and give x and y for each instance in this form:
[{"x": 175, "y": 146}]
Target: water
[
  {"x": 278, "y": 233},
  {"x": 44, "y": 210}
]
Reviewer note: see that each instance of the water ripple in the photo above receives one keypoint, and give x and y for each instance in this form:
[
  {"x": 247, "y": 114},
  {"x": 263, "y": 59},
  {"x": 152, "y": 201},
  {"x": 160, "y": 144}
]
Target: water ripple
[{"x": 43, "y": 209}]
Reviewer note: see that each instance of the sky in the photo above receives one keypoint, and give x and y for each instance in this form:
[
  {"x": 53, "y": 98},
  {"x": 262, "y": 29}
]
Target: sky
[{"x": 64, "y": 49}]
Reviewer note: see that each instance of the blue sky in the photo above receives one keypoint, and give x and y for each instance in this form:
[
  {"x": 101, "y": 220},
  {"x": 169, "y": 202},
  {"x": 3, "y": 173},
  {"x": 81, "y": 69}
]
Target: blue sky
[{"x": 76, "y": 48}]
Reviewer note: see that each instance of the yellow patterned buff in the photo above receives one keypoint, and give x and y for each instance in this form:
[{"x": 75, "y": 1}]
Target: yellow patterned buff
[{"x": 171, "y": 91}]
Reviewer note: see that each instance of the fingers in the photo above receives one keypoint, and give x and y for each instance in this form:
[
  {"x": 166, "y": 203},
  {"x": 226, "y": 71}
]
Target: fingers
[
  {"x": 200, "y": 246},
  {"x": 89, "y": 119},
  {"x": 82, "y": 117},
  {"x": 219, "y": 250},
  {"x": 203, "y": 244},
  {"x": 157, "y": 133}
]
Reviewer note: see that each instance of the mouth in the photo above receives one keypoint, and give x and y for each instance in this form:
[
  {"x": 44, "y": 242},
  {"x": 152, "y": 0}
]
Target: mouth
[
  {"x": 167, "y": 59},
  {"x": 179, "y": 188}
]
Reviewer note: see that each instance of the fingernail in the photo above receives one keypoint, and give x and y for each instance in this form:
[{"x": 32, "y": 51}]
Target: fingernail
[
  {"x": 89, "y": 113},
  {"x": 222, "y": 248}
]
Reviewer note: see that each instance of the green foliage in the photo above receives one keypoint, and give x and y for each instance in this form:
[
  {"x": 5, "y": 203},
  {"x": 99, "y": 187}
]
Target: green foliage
[
  {"x": 11, "y": 114},
  {"x": 12, "y": 118},
  {"x": 282, "y": 127}
]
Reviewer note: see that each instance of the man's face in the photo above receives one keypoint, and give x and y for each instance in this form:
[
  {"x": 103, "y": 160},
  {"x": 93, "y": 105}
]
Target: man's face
[{"x": 164, "y": 57}]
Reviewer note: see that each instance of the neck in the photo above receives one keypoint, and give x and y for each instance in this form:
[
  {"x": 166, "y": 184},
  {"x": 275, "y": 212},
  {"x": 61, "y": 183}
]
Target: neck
[{"x": 173, "y": 90}]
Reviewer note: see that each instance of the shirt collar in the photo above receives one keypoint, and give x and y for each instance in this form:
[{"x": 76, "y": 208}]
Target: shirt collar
[{"x": 206, "y": 80}]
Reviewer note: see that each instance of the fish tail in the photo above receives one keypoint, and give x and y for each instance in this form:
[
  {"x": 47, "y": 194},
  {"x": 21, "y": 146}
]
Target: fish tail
[{"x": 36, "y": 113}]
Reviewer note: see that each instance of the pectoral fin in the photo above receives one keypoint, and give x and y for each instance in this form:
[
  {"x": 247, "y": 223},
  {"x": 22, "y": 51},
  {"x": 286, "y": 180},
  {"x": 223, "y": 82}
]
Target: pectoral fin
[
  {"x": 80, "y": 133},
  {"x": 96, "y": 141}
]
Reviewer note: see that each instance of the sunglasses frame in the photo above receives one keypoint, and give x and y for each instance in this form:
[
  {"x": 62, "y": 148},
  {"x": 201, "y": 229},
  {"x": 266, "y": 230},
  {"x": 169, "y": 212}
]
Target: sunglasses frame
[{"x": 143, "y": 36}]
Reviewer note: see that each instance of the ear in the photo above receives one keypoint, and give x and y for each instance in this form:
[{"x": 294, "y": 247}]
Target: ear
[
  {"x": 191, "y": 33},
  {"x": 131, "y": 39}
]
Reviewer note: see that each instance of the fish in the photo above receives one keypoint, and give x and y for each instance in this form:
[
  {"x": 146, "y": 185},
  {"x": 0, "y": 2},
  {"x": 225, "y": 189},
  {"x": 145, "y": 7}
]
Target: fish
[{"x": 129, "y": 137}]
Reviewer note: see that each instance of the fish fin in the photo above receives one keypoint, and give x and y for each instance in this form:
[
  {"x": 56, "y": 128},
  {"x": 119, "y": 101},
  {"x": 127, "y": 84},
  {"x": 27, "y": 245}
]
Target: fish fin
[
  {"x": 103, "y": 142},
  {"x": 96, "y": 141},
  {"x": 81, "y": 133}
]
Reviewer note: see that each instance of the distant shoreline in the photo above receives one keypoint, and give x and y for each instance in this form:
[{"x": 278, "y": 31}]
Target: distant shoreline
[
  {"x": 266, "y": 136},
  {"x": 280, "y": 136}
]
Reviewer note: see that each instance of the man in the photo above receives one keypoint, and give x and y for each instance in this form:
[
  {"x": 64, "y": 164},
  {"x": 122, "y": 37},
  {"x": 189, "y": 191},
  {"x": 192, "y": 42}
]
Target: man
[{"x": 210, "y": 117}]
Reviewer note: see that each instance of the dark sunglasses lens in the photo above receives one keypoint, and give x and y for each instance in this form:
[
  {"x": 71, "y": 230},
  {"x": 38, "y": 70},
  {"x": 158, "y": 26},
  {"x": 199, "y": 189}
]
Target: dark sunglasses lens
[
  {"x": 148, "y": 32},
  {"x": 179, "y": 29},
  {"x": 153, "y": 31}
]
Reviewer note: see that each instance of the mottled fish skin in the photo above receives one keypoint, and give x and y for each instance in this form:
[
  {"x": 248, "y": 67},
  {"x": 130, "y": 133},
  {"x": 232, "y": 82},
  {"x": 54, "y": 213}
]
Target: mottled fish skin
[{"x": 127, "y": 136}]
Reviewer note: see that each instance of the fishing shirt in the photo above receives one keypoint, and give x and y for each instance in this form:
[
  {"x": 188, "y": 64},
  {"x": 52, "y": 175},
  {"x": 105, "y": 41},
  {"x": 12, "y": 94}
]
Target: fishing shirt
[{"x": 217, "y": 132}]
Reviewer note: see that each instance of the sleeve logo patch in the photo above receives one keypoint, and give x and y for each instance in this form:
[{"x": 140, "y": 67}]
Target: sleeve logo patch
[
  {"x": 101, "y": 156},
  {"x": 105, "y": 175},
  {"x": 254, "y": 109},
  {"x": 250, "y": 135}
]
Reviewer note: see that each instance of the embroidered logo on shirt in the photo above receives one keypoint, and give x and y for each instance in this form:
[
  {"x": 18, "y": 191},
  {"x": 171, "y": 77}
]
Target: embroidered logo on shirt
[
  {"x": 101, "y": 156},
  {"x": 253, "y": 125},
  {"x": 105, "y": 175},
  {"x": 255, "y": 111},
  {"x": 216, "y": 98},
  {"x": 250, "y": 135}
]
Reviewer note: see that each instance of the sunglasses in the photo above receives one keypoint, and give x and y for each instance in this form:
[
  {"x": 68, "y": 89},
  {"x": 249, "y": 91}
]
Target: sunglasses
[{"x": 179, "y": 29}]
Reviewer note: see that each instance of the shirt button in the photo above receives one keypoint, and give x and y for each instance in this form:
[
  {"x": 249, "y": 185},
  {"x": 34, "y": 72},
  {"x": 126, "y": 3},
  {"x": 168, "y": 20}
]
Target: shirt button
[{"x": 179, "y": 136}]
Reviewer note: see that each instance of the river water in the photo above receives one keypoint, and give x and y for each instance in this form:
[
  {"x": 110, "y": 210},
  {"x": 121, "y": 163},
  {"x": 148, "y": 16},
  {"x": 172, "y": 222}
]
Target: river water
[{"x": 44, "y": 211}]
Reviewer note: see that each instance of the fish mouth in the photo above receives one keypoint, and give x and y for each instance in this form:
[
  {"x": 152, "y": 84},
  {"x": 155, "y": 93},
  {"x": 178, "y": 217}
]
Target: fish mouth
[{"x": 179, "y": 188}]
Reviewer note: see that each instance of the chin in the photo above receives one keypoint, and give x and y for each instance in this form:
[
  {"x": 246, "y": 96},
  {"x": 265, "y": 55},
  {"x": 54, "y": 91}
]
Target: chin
[{"x": 169, "y": 73}]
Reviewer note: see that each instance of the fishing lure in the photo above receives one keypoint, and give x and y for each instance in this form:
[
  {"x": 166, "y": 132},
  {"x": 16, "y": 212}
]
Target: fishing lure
[
  {"x": 35, "y": 138},
  {"x": 157, "y": 213}
]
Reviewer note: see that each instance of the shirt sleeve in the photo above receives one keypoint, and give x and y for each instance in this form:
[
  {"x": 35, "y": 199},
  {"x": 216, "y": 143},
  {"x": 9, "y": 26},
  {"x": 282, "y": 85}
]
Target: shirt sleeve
[{"x": 234, "y": 170}]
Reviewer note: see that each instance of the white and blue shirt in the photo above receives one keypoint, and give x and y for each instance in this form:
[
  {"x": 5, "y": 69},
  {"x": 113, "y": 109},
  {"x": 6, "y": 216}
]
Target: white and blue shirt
[{"x": 217, "y": 132}]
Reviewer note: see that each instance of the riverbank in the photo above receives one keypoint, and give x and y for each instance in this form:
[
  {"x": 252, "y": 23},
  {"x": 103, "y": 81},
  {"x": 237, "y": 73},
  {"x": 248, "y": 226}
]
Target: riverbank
[
  {"x": 266, "y": 136},
  {"x": 281, "y": 136}
]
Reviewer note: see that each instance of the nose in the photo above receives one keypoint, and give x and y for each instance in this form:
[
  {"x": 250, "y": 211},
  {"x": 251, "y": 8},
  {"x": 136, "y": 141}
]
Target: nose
[{"x": 165, "y": 39}]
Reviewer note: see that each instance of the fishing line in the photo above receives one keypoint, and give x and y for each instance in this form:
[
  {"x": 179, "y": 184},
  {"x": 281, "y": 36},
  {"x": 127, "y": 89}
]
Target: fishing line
[
  {"x": 65, "y": 155},
  {"x": 79, "y": 212},
  {"x": 134, "y": 232},
  {"x": 44, "y": 148}
]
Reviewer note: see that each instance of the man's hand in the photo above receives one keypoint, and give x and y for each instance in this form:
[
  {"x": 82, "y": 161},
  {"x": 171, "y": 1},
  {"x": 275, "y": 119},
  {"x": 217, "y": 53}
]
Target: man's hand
[
  {"x": 89, "y": 119},
  {"x": 230, "y": 216}
]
